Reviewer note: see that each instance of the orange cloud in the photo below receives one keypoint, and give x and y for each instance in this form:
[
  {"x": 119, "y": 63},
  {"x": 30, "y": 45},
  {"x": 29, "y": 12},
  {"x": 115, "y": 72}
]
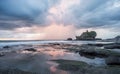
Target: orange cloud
[
  {"x": 53, "y": 31},
  {"x": 59, "y": 31}
]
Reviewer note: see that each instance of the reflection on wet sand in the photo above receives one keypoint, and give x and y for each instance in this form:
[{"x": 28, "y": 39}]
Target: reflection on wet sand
[
  {"x": 52, "y": 52},
  {"x": 39, "y": 61}
]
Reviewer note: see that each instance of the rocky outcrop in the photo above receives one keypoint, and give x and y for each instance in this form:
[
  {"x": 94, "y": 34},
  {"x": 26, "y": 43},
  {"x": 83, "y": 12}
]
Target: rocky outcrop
[
  {"x": 1, "y": 54},
  {"x": 30, "y": 49},
  {"x": 6, "y": 47},
  {"x": 95, "y": 51},
  {"x": 96, "y": 44},
  {"x": 115, "y": 40},
  {"x": 106, "y": 46},
  {"x": 112, "y": 46},
  {"x": 92, "y": 52},
  {"x": 14, "y": 71},
  {"x": 113, "y": 60},
  {"x": 69, "y": 39},
  {"x": 87, "y": 35}
]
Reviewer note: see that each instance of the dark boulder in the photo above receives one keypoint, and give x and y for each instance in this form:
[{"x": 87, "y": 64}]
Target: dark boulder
[
  {"x": 69, "y": 39},
  {"x": 30, "y": 49},
  {"x": 15, "y": 71},
  {"x": 113, "y": 60},
  {"x": 6, "y": 47},
  {"x": 93, "y": 53},
  {"x": 98, "y": 45},
  {"x": 113, "y": 46},
  {"x": 54, "y": 43},
  {"x": 2, "y": 54}
]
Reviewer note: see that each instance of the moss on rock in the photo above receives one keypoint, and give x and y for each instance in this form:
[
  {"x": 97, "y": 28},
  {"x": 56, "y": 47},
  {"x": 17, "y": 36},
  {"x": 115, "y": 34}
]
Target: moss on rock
[{"x": 71, "y": 64}]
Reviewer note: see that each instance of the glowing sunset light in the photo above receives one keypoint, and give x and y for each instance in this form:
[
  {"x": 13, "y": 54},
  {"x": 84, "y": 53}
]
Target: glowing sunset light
[{"x": 58, "y": 19}]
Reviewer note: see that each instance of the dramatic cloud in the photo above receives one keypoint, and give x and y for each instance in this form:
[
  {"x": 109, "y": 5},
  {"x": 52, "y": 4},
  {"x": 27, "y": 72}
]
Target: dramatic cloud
[
  {"x": 23, "y": 15},
  {"x": 94, "y": 13},
  {"x": 52, "y": 31},
  {"x": 27, "y": 11}
]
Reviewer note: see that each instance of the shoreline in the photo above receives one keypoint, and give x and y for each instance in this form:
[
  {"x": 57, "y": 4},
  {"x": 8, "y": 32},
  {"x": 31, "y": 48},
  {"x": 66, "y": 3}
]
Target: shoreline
[{"x": 88, "y": 51}]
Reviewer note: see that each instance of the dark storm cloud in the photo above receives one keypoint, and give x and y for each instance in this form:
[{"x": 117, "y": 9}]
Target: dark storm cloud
[
  {"x": 86, "y": 14},
  {"x": 20, "y": 9},
  {"x": 8, "y": 26},
  {"x": 97, "y": 13},
  {"x": 94, "y": 13},
  {"x": 24, "y": 10}
]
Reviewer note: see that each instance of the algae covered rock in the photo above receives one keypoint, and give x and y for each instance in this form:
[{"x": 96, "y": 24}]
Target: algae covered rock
[
  {"x": 30, "y": 49},
  {"x": 113, "y": 60},
  {"x": 71, "y": 64},
  {"x": 87, "y": 35}
]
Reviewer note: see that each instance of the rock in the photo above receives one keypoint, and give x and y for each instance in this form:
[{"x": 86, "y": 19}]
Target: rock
[
  {"x": 115, "y": 40},
  {"x": 71, "y": 65},
  {"x": 98, "y": 45},
  {"x": 54, "y": 43},
  {"x": 113, "y": 46},
  {"x": 87, "y": 35},
  {"x": 69, "y": 39},
  {"x": 2, "y": 54},
  {"x": 6, "y": 47},
  {"x": 92, "y": 53},
  {"x": 31, "y": 49},
  {"x": 113, "y": 60},
  {"x": 14, "y": 71}
]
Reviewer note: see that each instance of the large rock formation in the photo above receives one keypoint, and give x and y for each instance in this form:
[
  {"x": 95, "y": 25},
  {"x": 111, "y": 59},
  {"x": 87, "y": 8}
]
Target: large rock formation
[
  {"x": 116, "y": 39},
  {"x": 87, "y": 35}
]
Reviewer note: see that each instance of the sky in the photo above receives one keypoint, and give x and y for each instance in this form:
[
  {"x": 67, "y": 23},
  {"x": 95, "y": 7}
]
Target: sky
[{"x": 58, "y": 19}]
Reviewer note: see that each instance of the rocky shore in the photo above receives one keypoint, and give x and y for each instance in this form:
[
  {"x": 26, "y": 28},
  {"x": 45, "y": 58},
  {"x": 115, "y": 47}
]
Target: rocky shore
[
  {"x": 106, "y": 51},
  {"x": 109, "y": 52}
]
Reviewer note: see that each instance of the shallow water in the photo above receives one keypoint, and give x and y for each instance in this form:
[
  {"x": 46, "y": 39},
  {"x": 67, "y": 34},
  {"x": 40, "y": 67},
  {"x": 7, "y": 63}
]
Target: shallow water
[
  {"x": 40, "y": 61},
  {"x": 4, "y": 43}
]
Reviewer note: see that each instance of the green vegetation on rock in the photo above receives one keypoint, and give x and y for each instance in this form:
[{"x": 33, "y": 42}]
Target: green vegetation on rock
[
  {"x": 79, "y": 67},
  {"x": 71, "y": 64},
  {"x": 87, "y": 35}
]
